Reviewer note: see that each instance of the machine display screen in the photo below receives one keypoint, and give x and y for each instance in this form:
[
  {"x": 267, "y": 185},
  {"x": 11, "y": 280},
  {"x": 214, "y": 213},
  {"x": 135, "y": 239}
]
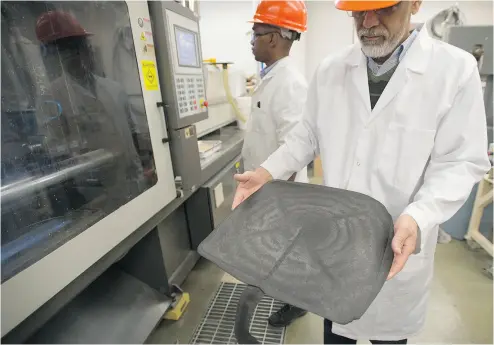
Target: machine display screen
[{"x": 186, "y": 47}]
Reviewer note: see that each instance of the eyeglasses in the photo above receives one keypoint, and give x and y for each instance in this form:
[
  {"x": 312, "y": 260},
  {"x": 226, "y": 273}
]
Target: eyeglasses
[
  {"x": 382, "y": 12},
  {"x": 256, "y": 35}
]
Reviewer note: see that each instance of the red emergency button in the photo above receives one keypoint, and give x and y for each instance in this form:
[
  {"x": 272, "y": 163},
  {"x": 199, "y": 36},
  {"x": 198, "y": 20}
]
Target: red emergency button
[{"x": 205, "y": 104}]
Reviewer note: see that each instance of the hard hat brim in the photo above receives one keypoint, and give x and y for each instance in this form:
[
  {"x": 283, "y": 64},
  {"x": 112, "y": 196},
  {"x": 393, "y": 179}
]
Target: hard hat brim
[
  {"x": 258, "y": 21},
  {"x": 351, "y": 5}
]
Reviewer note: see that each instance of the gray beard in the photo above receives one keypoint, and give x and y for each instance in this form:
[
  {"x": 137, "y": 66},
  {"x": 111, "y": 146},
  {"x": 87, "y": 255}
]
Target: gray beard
[{"x": 384, "y": 49}]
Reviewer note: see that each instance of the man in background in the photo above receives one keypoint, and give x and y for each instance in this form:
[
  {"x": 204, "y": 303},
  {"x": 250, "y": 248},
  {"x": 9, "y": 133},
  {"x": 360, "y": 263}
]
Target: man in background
[{"x": 278, "y": 100}]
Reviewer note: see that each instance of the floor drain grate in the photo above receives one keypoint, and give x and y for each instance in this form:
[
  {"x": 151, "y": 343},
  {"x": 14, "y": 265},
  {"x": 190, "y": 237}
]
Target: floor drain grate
[{"x": 216, "y": 326}]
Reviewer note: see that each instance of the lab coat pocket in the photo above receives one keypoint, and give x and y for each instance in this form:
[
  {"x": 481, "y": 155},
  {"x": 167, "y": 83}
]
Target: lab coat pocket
[{"x": 405, "y": 153}]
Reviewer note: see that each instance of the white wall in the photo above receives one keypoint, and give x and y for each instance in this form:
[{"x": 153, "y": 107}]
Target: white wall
[
  {"x": 331, "y": 30},
  {"x": 224, "y": 25},
  {"x": 476, "y": 12},
  {"x": 224, "y": 29}
]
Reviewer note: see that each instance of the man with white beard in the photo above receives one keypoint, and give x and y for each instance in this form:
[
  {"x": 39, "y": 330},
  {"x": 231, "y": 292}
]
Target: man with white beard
[{"x": 400, "y": 117}]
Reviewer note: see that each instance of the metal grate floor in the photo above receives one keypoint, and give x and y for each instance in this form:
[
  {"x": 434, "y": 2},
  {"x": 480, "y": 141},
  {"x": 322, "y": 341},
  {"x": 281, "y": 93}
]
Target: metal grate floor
[{"x": 216, "y": 326}]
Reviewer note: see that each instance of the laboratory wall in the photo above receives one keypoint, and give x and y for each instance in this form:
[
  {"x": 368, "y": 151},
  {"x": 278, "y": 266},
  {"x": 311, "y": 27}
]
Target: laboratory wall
[
  {"x": 476, "y": 12},
  {"x": 224, "y": 29},
  {"x": 225, "y": 34},
  {"x": 329, "y": 30}
]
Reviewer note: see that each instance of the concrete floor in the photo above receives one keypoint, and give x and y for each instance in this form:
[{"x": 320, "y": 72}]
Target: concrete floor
[{"x": 460, "y": 309}]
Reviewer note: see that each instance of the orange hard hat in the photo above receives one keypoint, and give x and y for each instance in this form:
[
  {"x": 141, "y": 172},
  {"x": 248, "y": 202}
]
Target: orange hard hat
[
  {"x": 289, "y": 14},
  {"x": 54, "y": 25},
  {"x": 353, "y": 5}
]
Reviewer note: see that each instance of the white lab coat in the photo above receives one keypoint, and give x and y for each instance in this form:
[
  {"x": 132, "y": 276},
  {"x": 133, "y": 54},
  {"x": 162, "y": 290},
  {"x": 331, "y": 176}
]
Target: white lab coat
[
  {"x": 419, "y": 151},
  {"x": 277, "y": 106}
]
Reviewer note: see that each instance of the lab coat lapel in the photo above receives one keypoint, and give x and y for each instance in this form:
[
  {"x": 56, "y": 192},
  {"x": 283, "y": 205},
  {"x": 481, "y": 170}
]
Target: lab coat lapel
[
  {"x": 413, "y": 64},
  {"x": 358, "y": 69},
  {"x": 262, "y": 84},
  {"x": 268, "y": 77},
  {"x": 395, "y": 85}
]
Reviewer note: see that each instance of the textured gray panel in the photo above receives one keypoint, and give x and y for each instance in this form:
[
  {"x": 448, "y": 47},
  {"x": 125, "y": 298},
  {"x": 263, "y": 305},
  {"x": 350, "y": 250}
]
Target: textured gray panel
[{"x": 324, "y": 250}]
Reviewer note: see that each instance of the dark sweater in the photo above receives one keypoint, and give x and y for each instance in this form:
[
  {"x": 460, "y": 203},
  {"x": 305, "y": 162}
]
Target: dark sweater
[{"x": 378, "y": 84}]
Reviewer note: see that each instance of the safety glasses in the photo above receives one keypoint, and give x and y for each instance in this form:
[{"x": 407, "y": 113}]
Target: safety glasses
[
  {"x": 256, "y": 35},
  {"x": 382, "y": 12}
]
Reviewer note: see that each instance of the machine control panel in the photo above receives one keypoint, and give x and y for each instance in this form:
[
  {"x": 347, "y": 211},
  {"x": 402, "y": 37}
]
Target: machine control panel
[{"x": 190, "y": 93}]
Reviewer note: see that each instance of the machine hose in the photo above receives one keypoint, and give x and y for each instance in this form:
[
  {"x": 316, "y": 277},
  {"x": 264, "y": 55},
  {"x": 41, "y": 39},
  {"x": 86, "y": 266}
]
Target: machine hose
[
  {"x": 241, "y": 117},
  {"x": 246, "y": 307}
]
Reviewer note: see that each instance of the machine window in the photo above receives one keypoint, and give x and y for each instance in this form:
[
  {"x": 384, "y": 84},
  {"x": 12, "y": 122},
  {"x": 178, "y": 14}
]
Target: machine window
[
  {"x": 186, "y": 47},
  {"x": 75, "y": 138}
]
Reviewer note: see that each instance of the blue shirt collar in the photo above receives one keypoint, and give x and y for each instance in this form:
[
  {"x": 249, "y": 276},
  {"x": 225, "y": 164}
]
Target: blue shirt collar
[{"x": 266, "y": 70}]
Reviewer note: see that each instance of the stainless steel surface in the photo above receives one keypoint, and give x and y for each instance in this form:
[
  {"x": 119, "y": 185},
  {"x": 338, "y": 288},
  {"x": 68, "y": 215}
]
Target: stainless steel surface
[
  {"x": 469, "y": 37},
  {"x": 220, "y": 211},
  {"x": 174, "y": 239},
  {"x": 115, "y": 309},
  {"x": 217, "y": 324},
  {"x": 205, "y": 209},
  {"x": 478, "y": 40},
  {"x": 70, "y": 168},
  {"x": 185, "y": 154},
  {"x": 230, "y": 137}
]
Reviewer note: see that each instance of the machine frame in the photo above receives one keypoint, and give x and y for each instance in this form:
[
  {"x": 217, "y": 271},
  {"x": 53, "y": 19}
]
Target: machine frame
[{"x": 31, "y": 288}]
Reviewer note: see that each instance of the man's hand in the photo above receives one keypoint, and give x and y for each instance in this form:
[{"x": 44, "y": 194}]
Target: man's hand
[
  {"x": 404, "y": 242},
  {"x": 249, "y": 183}
]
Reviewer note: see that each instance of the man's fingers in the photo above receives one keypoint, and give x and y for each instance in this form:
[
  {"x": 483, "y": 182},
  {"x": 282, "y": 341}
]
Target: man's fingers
[
  {"x": 398, "y": 264},
  {"x": 237, "y": 200},
  {"x": 241, "y": 177},
  {"x": 403, "y": 243}
]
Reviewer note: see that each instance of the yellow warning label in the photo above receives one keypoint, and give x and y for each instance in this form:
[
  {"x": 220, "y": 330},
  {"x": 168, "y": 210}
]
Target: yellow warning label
[
  {"x": 187, "y": 133},
  {"x": 143, "y": 36},
  {"x": 237, "y": 165},
  {"x": 149, "y": 74}
]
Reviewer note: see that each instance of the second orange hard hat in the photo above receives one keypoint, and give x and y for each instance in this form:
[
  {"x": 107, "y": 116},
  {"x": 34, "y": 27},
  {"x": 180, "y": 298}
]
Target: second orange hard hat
[
  {"x": 290, "y": 14},
  {"x": 353, "y": 5}
]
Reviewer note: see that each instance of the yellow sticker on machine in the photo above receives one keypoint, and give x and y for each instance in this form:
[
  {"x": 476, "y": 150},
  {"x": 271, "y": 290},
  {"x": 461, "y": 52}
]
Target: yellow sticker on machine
[{"x": 150, "y": 75}]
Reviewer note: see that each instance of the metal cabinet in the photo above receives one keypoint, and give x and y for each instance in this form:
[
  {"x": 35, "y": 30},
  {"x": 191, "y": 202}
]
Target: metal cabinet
[{"x": 212, "y": 203}]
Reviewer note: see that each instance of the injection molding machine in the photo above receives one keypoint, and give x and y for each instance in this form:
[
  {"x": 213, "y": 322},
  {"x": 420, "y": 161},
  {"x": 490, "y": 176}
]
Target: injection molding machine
[{"x": 106, "y": 189}]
